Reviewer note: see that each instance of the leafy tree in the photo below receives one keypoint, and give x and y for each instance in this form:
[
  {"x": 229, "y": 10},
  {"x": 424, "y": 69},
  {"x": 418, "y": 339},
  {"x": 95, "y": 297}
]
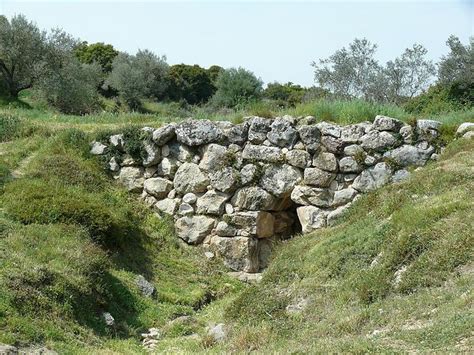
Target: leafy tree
[
  {"x": 103, "y": 54},
  {"x": 214, "y": 72},
  {"x": 456, "y": 70},
  {"x": 68, "y": 84},
  {"x": 189, "y": 82},
  {"x": 139, "y": 76},
  {"x": 408, "y": 75},
  {"x": 349, "y": 71},
  {"x": 285, "y": 94},
  {"x": 237, "y": 86},
  {"x": 22, "y": 53}
]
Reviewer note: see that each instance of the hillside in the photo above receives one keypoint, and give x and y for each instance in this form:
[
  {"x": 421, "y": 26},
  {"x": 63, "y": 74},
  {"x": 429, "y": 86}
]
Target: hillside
[{"x": 394, "y": 275}]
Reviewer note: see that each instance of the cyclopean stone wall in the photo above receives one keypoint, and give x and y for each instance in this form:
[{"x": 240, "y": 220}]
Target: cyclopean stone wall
[{"x": 237, "y": 188}]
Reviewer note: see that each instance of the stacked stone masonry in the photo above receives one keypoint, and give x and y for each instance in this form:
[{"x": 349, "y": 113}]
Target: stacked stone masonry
[{"x": 236, "y": 188}]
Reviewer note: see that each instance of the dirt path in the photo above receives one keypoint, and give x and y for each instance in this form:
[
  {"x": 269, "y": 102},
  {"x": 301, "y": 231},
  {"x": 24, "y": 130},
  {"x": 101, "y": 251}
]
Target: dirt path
[{"x": 20, "y": 170}]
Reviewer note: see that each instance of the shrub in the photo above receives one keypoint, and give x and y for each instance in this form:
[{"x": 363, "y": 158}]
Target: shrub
[
  {"x": 10, "y": 126},
  {"x": 236, "y": 87}
]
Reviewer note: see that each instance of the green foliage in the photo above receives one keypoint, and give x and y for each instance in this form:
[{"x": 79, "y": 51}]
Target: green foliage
[
  {"x": 10, "y": 126},
  {"x": 190, "y": 83},
  {"x": 100, "y": 53},
  {"x": 138, "y": 77},
  {"x": 288, "y": 94},
  {"x": 236, "y": 87}
]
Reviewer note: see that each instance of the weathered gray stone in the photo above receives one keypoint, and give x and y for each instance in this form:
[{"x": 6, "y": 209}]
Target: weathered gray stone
[
  {"x": 167, "y": 206},
  {"x": 325, "y": 161},
  {"x": 311, "y": 218},
  {"x": 248, "y": 174},
  {"x": 185, "y": 209},
  {"x": 239, "y": 253},
  {"x": 354, "y": 149},
  {"x": 409, "y": 155},
  {"x": 194, "y": 229},
  {"x": 253, "y": 198},
  {"x": 236, "y": 134},
  {"x": 225, "y": 179},
  {"x": 180, "y": 152},
  {"x": 305, "y": 195},
  {"x": 282, "y": 133},
  {"x": 352, "y": 133},
  {"x": 189, "y": 178},
  {"x": 318, "y": 177},
  {"x": 427, "y": 130},
  {"x": 132, "y": 178},
  {"x": 8, "y": 349},
  {"x": 464, "y": 128},
  {"x": 190, "y": 198},
  {"x": 335, "y": 215},
  {"x": 255, "y": 223},
  {"x": 378, "y": 141},
  {"x": 349, "y": 165},
  {"x": 373, "y": 178},
  {"x": 117, "y": 142},
  {"x": 407, "y": 134},
  {"x": 108, "y": 319},
  {"x": 311, "y": 137},
  {"x": 164, "y": 134},
  {"x": 298, "y": 158},
  {"x": 145, "y": 287},
  {"x": 384, "y": 123},
  {"x": 262, "y": 153},
  {"x": 167, "y": 167},
  {"x": 158, "y": 187},
  {"x": 198, "y": 132},
  {"x": 153, "y": 154},
  {"x": 114, "y": 165},
  {"x": 98, "y": 148},
  {"x": 332, "y": 145},
  {"x": 214, "y": 157},
  {"x": 212, "y": 202},
  {"x": 329, "y": 129},
  {"x": 259, "y": 127},
  {"x": 218, "y": 332},
  {"x": 468, "y": 135},
  {"x": 280, "y": 180},
  {"x": 341, "y": 197}
]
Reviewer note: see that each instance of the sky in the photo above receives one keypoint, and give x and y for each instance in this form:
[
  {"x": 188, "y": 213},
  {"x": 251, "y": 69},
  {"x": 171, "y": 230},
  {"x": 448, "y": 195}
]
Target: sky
[{"x": 277, "y": 40}]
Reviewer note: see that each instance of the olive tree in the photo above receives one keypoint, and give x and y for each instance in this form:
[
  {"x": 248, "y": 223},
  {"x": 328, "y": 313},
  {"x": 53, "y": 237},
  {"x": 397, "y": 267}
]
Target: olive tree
[
  {"x": 237, "y": 86},
  {"x": 139, "y": 76},
  {"x": 23, "y": 50}
]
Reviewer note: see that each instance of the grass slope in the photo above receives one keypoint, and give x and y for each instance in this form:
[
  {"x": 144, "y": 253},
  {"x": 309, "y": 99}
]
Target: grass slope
[{"x": 395, "y": 275}]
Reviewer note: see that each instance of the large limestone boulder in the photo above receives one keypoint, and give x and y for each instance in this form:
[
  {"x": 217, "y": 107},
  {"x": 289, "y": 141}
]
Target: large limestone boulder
[
  {"x": 132, "y": 178},
  {"x": 378, "y": 141},
  {"x": 211, "y": 202},
  {"x": 384, "y": 123},
  {"x": 152, "y": 154},
  {"x": 213, "y": 157},
  {"x": 427, "y": 130},
  {"x": 408, "y": 134},
  {"x": 259, "y": 127},
  {"x": 329, "y": 129},
  {"x": 198, "y": 132},
  {"x": 158, "y": 187},
  {"x": 253, "y": 198},
  {"x": 280, "y": 180},
  {"x": 298, "y": 157},
  {"x": 310, "y": 136},
  {"x": 282, "y": 133},
  {"x": 167, "y": 167},
  {"x": 318, "y": 177},
  {"x": 235, "y": 134},
  {"x": 193, "y": 229},
  {"x": 167, "y": 206},
  {"x": 352, "y": 133},
  {"x": 239, "y": 253},
  {"x": 225, "y": 179},
  {"x": 306, "y": 195},
  {"x": 410, "y": 155},
  {"x": 262, "y": 153},
  {"x": 180, "y": 152},
  {"x": 117, "y": 142},
  {"x": 373, "y": 178},
  {"x": 252, "y": 223},
  {"x": 189, "y": 178},
  {"x": 311, "y": 218},
  {"x": 349, "y": 165},
  {"x": 332, "y": 144},
  {"x": 164, "y": 134},
  {"x": 325, "y": 161},
  {"x": 343, "y": 196}
]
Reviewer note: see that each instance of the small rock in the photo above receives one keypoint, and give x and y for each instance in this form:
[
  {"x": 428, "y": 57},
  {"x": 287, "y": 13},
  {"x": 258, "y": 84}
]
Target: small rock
[
  {"x": 108, "y": 319},
  {"x": 98, "y": 148},
  {"x": 145, "y": 287},
  {"x": 218, "y": 332},
  {"x": 190, "y": 198}
]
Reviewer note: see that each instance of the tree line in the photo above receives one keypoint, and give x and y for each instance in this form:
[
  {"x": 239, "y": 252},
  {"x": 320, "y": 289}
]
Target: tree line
[{"x": 73, "y": 75}]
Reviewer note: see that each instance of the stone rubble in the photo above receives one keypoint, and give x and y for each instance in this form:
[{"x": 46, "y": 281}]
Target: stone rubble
[{"x": 234, "y": 188}]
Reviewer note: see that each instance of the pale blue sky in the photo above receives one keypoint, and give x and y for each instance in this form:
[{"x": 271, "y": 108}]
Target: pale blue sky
[{"x": 275, "y": 39}]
